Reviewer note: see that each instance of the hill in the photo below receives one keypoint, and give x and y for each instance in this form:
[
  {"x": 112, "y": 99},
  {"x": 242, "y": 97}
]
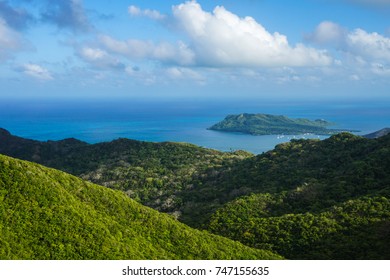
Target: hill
[
  {"x": 48, "y": 214},
  {"x": 310, "y": 199},
  {"x": 304, "y": 199},
  {"x": 265, "y": 124},
  {"x": 151, "y": 173},
  {"x": 192, "y": 182},
  {"x": 379, "y": 133}
]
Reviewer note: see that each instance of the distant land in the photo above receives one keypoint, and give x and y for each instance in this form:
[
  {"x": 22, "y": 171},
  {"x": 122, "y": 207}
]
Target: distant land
[
  {"x": 377, "y": 134},
  {"x": 265, "y": 124}
]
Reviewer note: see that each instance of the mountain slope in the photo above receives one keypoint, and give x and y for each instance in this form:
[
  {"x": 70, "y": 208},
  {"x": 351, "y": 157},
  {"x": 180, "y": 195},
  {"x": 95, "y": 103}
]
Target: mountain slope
[
  {"x": 311, "y": 199},
  {"x": 152, "y": 173},
  {"x": 48, "y": 214},
  {"x": 194, "y": 182},
  {"x": 356, "y": 229},
  {"x": 321, "y": 173},
  {"x": 379, "y": 133}
]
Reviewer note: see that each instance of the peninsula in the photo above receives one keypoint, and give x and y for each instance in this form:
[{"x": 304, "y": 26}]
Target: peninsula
[{"x": 265, "y": 124}]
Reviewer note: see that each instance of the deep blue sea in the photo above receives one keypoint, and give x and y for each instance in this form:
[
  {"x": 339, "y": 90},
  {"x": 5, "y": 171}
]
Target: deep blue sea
[{"x": 176, "y": 120}]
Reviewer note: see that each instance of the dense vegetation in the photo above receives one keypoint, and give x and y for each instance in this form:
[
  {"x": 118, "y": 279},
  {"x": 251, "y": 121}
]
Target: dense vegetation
[
  {"x": 305, "y": 199},
  {"x": 314, "y": 199},
  {"x": 48, "y": 214},
  {"x": 151, "y": 173},
  {"x": 355, "y": 229},
  {"x": 265, "y": 124},
  {"x": 327, "y": 172}
]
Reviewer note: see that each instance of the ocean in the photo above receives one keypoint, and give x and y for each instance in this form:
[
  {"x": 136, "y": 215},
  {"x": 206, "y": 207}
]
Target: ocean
[{"x": 176, "y": 120}]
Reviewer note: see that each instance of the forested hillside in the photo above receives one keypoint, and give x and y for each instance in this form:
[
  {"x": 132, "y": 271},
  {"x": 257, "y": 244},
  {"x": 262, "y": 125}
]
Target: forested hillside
[
  {"x": 312, "y": 199},
  {"x": 151, "y": 173},
  {"x": 318, "y": 174},
  {"x": 304, "y": 199},
  {"x": 48, "y": 214}
]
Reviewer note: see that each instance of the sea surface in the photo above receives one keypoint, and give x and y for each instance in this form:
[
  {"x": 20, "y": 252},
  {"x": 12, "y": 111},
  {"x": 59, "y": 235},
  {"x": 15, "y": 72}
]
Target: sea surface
[{"x": 177, "y": 120}]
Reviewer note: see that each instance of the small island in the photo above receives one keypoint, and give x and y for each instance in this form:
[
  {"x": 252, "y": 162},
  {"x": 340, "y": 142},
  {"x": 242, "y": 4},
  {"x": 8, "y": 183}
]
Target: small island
[{"x": 265, "y": 124}]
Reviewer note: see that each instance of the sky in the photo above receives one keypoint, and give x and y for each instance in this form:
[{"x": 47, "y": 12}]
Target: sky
[{"x": 307, "y": 49}]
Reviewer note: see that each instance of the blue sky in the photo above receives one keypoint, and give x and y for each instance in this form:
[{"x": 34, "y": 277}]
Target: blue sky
[{"x": 310, "y": 49}]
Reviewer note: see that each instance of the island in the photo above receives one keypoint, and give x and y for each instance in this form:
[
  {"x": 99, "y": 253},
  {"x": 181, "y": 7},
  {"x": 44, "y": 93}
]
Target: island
[{"x": 266, "y": 124}]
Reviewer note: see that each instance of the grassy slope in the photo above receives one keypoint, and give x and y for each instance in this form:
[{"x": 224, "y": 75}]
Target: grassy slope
[{"x": 48, "y": 214}]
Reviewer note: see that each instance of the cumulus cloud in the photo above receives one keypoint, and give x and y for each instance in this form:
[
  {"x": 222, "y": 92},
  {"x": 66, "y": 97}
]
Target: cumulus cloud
[
  {"x": 10, "y": 41},
  {"x": 68, "y": 14},
  {"x": 365, "y": 46},
  {"x": 369, "y": 45},
  {"x": 99, "y": 58},
  {"x": 36, "y": 71},
  {"x": 221, "y": 38},
  {"x": 328, "y": 33},
  {"x": 17, "y": 18},
  {"x": 153, "y": 14},
  {"x": 138, "y": 49},
  {"x": 217, "y": 39}
]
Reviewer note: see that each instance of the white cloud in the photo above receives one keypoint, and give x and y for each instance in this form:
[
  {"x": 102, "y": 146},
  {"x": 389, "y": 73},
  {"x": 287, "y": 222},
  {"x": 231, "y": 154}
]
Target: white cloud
[
  {"x": 222, "y": 38},
  {"x": 99, "y": 58},
  {"x": 10, "y": 41},
  {"x": 153, "y": 14},
  {"x": 358, "y": 45},
  {"x": 181, "y": 73},
  {"x": 328, "y": 33},
  {"x": 372, "y": 46},
  {"x": 137, "y": 49},
  {"x": 134, "y": 11},
  {"x": 36, "y": 71}
]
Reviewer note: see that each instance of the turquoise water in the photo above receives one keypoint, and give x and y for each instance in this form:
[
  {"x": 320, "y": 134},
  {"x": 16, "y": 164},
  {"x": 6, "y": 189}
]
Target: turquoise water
[{"x": 177, "y": 121}]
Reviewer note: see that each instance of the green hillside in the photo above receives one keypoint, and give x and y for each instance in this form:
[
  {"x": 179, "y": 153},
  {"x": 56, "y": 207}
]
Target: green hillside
[
  {"x": 152, "y": 173},
  {"x": 356, "y": 229},
  {"x": 311, "y": 199},
  {"x": 319, "y": 173},
  {"x": 265, "y": 124},
  {"x": 305, "y": 199},
  {"x": 48, "y": 214}
]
